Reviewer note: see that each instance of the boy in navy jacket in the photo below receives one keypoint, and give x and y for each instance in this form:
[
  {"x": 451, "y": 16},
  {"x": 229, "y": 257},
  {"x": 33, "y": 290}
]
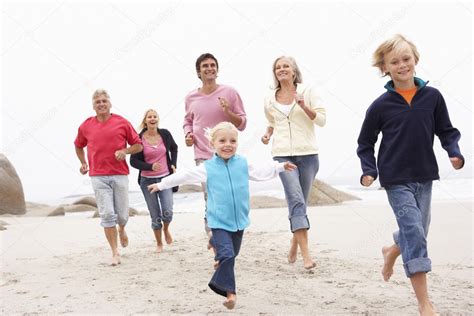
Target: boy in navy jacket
[{"x": 408, "y": 114}]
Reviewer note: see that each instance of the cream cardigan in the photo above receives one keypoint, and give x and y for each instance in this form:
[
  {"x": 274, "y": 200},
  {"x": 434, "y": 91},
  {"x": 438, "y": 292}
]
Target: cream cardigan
[{"x": 293, "y": 134}]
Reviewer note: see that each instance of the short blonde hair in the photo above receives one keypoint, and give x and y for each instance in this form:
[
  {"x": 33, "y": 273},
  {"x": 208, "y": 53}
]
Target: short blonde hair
[
  {"x": 298, "y": 77},
  {"x": 143, "y": 122},
  {"x": 99, "y": 92},
  {"x": 211, "y": 135},
  {"x": 389, "y": 45}
]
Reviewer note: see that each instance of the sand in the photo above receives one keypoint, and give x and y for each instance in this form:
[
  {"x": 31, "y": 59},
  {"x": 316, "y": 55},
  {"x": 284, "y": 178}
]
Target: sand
[{"x": 61, "y": 265}]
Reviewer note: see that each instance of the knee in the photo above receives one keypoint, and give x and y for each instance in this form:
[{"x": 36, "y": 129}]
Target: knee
[{"x": 108, "y": 220}]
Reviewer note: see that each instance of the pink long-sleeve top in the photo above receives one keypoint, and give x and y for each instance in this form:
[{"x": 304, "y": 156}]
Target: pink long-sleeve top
[{"x": 204, "y": 111}]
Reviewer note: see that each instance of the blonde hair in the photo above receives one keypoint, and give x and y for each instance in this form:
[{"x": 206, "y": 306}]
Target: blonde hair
[
  {"x": 298, "y": 78},
  {"x": 99, "y": 92},
  {"x": 143, "y": 122},
  {"x": 394, "y": 43},
  {"x": 211, "y": 133}
]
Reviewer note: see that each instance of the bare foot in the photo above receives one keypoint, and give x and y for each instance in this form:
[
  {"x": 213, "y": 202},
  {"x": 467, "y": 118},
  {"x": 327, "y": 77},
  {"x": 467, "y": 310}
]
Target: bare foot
[
  {"x": 230, "y": 301},
  {"x": 427, "y": 310},
  {"x": 292, "y": 254},
  {"x": 168, "y": 237},
  {"x": 309, "y": 264},
  {"x": 159, "y": 248},
  {"x": 389, "y": 258},
  {"x": 115, "y": 260},
  {"x": 123, "y": 237}
]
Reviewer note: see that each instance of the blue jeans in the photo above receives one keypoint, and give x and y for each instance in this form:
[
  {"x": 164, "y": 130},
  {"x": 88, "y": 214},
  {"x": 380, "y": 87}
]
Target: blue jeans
[
  {"x": 411, "y": 204},
  {"x": 160, "y": 204},
  {"x": 227, "y": 246},
  {"x": 297, "y": 185}
]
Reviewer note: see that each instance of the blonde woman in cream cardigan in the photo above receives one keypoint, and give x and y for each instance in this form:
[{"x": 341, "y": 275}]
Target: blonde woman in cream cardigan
[{"x": 292, "y": 111}]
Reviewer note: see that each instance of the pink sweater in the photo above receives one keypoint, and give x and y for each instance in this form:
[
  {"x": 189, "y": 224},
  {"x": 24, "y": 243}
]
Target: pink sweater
[{"x": 204, "y": 111}]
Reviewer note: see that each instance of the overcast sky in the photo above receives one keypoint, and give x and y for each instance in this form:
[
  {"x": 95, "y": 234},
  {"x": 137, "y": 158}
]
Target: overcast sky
[{"x": 55, "y": 54}]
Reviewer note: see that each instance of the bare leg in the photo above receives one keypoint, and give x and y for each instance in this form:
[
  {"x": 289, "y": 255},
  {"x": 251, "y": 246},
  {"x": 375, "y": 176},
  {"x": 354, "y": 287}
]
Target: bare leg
[
  {"x": 301, "y": 236},
  {"x": 390, "y": 255},
  {"x": 123, "y": 236},
  {"x": 111, "y": 235},
  {"x": 420, "y": 286},
  {"x": 159, "y": 243},
  {"x": 293, "y": 250},
  {"x": 168, "y": 237},
  {"x": 230, "y": 301}
]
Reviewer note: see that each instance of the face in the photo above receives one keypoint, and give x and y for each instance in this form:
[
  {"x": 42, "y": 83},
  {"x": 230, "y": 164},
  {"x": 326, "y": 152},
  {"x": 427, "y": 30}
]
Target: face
[
  {"x": 400, "y": 64},
  {"x": 151, "y": 120},
  {"x": 208, "y": 69},
  {"x": 284, "y": 71},
  {"x": 225, "y": 143},
  {"x": 102, "y": 105}
]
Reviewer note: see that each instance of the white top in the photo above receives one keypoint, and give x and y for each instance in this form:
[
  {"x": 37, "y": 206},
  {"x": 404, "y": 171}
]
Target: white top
[
  {"x": 198, "y": 174},
  {"x": 284, "y": 108}
]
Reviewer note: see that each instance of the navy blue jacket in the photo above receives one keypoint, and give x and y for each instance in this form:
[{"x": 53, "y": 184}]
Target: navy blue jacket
[
  {"x": 138, "y": 160},
  {"x": 406, "y": 150}
]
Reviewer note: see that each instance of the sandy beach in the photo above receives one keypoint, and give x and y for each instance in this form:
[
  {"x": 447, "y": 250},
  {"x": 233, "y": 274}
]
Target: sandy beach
[{"x": 61, "y": 265}]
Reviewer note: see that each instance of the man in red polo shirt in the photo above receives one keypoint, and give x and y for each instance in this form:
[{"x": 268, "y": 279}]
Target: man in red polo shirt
[{"x": 106, "y": 136}]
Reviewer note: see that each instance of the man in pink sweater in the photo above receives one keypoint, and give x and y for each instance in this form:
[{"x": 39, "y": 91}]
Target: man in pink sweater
[{"x": 207, "y": 106}]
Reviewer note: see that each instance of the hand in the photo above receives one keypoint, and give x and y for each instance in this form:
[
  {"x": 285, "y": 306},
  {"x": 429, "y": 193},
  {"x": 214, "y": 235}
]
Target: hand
[
  {"x": 189, "y": 139},
  {"x": 84, "y": 168},
  {"x": 300, "y": 100},
  {"x": 121, "y": 154},
  {"x": 224, "y": 104},
  {"x": 367, "y": 180},
  {"x": 156, "y": 166},
  {"x": 153, "y": 188},
  {"x": 289, "y": 166},
  {"x": 265, "y": 139},
  {"x": 456, "y": 162}
]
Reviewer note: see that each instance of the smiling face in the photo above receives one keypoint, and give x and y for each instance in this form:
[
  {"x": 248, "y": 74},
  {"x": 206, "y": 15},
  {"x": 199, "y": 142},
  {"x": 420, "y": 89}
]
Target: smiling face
[
  {"x": 283, "y": 70},
  {"x": 225, "y": 142},
  {"x": 208, "y": 70},
  {"x": 151, "y": 119},
  {"x": 400, "y": 65},
  {"x": 101, "y": 105}
]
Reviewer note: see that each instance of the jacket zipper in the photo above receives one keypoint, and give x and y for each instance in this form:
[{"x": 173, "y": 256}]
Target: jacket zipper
[
  {"x": 289, "y": 124},
  {"x": 233, "y": 196}
]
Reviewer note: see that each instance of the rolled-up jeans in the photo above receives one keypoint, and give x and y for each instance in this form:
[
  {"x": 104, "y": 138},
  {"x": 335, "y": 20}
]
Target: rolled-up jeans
[
  {"x": 160, "y": 204},
  {"x": 411, "y": 204},
  {"x": 297, "y": 185},
  {"x": 111, "y": 195}
]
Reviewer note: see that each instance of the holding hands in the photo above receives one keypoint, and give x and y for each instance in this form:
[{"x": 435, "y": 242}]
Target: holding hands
[{"x": 153, "y": 188}]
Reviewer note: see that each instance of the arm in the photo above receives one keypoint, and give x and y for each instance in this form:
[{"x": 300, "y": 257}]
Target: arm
[
  {"x": 447, "y": 134},
  {"x": 234, "y": 109},
  {"x": 315, "y": 107},
  {"x": 367, "y": 139},
  {"x": 268, "y": 171},
  {"x": 271, "y": 122},
  {"x": 82, "y": 158},
  {"x": 137, "y": 161},
  {"x": 122, "y": 153},
  {"x": 195, "y": 175},
  {"x": 188, "y": 124}
]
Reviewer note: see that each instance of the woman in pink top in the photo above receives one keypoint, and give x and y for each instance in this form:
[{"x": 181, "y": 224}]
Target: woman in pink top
[{"x": 156, "y": 161}]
